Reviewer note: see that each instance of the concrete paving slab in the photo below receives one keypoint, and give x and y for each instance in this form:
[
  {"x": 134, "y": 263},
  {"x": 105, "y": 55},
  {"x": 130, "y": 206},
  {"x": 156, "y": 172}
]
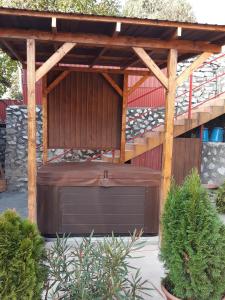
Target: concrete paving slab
[{"x": 14, "y": 200}]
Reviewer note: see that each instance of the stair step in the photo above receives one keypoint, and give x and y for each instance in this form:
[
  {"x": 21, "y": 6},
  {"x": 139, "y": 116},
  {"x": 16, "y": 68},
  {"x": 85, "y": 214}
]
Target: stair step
[
  {"x": 179, "y": 122},
  {"x": 159, "y": 129}
]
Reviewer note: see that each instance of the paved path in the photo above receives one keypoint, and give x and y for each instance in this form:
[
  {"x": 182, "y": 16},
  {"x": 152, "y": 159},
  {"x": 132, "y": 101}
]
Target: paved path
[
  {"x": 151, "y": 267},
  {"x": 14, "y": 200}
]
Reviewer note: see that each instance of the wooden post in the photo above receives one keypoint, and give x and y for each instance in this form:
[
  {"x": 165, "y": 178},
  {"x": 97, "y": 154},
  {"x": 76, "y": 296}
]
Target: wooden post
[
  {"x": 44, "y": 120},
  {"x": 124, "y": 116},
  {"x": 169, "y": 126},
  {"x": 31, "y": 109}
]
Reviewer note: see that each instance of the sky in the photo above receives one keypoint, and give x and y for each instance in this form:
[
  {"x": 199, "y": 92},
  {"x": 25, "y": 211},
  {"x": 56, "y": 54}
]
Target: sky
[{"x": 209, "y": 11}]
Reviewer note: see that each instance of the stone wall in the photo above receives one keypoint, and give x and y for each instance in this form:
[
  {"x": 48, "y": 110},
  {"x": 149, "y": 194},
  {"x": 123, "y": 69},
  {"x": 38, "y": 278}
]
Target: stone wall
[
  {"x": 213, "y": 163},
  {"x": 2, "y": 144},
  {"x": 16, "y": 147},
  {"x": 139, "y": 120}
]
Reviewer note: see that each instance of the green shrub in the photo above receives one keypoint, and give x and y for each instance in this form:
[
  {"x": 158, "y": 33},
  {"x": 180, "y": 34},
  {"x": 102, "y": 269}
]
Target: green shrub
[
  {"x": 193, "y": 243},
  {"x": 220, "y": 199},
  {"x": 94, "y": 270},
  {"x": 21, "y": 252}
]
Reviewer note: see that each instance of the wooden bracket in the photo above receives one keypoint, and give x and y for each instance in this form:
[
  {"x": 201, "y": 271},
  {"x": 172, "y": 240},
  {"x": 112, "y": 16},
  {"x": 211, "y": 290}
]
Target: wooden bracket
[
  {"x": 137, "y": 84},
  {"x": 195, "y": 65},
  {"x": 113, "y": 83},
  {"x": 53, "y": 60},
  {"x": 55, "y": 82},
  {"x": 151, "y": 65}
]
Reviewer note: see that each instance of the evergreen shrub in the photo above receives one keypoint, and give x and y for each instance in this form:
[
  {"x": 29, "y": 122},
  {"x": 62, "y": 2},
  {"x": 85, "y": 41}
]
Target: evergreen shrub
[
  {"x": 193, "y": 243},
  {"x": 95, "y": 270},
  {"x": 22, "y": 272},
  {"x": 220, "y": 199}
]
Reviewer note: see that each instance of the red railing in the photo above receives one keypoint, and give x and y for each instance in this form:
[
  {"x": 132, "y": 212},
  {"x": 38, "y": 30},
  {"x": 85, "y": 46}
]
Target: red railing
[
  {"x": 190, "y": 106},
  {"x": 189, "y": 92}
]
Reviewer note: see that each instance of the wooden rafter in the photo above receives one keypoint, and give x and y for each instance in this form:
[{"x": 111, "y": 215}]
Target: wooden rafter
[
  {"x": 31, "y": 110},
  {"x": 151, "y": 65},
  {"x": 55, "y": 82},
  {"x": 137, "y": 84},
  {"x": 53, "y": 60},
  {"x": 113, "y": 83},
  {"x": 195, "y": 65},
  {"x": 12, "y": 51},
  {"x": 107, "y": 41},
  {"x": 103, "y": 50}
]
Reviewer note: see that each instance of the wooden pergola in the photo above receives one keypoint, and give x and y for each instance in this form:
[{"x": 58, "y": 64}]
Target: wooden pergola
[{"x": 46, "y": 41}]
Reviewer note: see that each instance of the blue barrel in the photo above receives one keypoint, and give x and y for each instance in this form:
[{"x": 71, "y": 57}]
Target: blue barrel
[
  {"x": 205, "y": 135},
  {"x": 217, "y": 135}
]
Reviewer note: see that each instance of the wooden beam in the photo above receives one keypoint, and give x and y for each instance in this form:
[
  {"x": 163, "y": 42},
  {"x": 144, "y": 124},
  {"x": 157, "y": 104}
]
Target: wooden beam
[
  {"x": 111, "y": 19},
  {"x": 31, "y": 110},
  {"x": 169, "y": 127},
  {"x": 53, "y": 60},
  {"x": 108, "y": 70},
  {"x": 44, "y": 120},
  {"x": 12, "y": 51},
  {"x": 151, "y": 65},
  {"x": 103, "y": 50},
  {"x": 55, "y": 82},
  {"x": 124, "y": 117},
  {"x": 113, "y": 83},
  {"x": 102, "y": 40},
  {"x": 137, "y": 84},
  {"x": 195, "y": 65}
]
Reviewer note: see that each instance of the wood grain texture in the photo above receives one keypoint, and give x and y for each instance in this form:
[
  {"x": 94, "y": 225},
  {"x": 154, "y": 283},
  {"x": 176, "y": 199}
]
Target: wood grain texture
[
  {"x": 151, "y": 65},
  {"x": 53, "y": 60},
  {"x": 80, "y": 210},
  {"x": 84, "y": 112},
  {"x": 31, "y": 109},
  {"x": 109, "y": 79},
  {"x": 169, "y": 127},
  {"x": 56, "y": 81},
  {"x": 186, "y": 156},
  {"x": 124, "y": 117}
]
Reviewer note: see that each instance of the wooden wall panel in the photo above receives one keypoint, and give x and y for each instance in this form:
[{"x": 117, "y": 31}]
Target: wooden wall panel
[
  {"x": 186, "y": 156},
  {"x": 84, "y": 112}
]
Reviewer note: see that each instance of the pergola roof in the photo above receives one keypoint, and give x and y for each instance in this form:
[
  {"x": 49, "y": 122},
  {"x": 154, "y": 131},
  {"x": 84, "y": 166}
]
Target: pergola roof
[{"x": 103, "y": 40}]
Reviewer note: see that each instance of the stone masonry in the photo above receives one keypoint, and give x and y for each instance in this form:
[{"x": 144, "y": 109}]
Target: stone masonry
[
  {"x": 139, "y": 120},
  {"x": 213, "y": 163}
]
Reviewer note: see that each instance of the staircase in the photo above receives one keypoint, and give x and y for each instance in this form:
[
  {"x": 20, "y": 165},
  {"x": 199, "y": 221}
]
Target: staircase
[{"x": 201, "y": 114}]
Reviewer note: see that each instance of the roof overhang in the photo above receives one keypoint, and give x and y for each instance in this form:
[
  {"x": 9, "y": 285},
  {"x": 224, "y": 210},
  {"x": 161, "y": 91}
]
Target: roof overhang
[{"x": 103, "y": 40}]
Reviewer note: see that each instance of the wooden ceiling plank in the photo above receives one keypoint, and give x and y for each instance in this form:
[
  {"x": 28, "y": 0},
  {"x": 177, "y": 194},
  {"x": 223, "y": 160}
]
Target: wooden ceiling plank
[
  {"x": 195, "y": 65},
  {"x": 12, "y": 51},
  {"x": 107, "y": 41},
  {"x": 103, "y": 50},
  {"x": 111, "y": 19},
  {"x": 113, "y": 83},
  {"x": 53, "y": 60},
  {"x": 151, "y": 65},
  {"x": 137, "y": 84},
  {"x": 55, "y": 82}
]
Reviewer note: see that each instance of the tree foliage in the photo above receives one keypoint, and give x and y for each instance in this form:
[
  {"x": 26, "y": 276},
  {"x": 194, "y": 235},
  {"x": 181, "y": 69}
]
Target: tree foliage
[
  {"x": 105, "y": 7},
  {"x": 220, "y": 199},
  {"x": 22, "y": 272},
  {"x": 174, "y": 10},
  {"x": 193, "y": 243},
  {"x": 10, "y": 70}
]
